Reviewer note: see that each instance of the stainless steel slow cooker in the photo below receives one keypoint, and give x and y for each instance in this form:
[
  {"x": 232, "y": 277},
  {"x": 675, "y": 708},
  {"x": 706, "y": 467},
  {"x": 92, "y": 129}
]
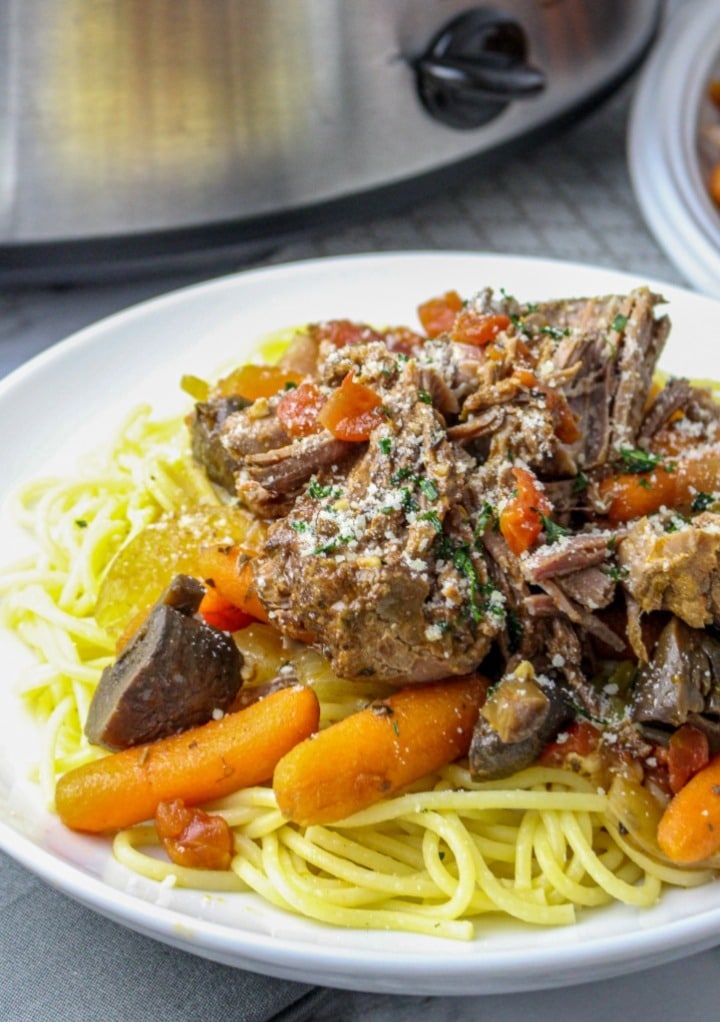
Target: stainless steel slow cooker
[{"x": 132, "y": 127}]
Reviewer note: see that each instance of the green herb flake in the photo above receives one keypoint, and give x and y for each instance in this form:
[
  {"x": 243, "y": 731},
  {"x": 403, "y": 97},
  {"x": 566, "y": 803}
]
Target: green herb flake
[
  {"x": 385, "y": 444},
  {"x": 619, "y": 323},
  {"x": 299, "y": 526},
  {"x": 639, "y": 462},
  {"x": 317, "y": 491},
  {"x": 580, "y": 483},
  {"x": 702, "y": 501},
  {"x": 81, "y": 523},
  {"x": 429, "y": 488},
  {"x": 555, "y": 332},
  {"x": 553, "y": 531}
]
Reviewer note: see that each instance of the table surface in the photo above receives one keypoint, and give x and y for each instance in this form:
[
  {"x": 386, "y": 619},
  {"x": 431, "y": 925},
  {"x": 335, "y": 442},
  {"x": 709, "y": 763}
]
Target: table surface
[{"x": 570, "y": 198}]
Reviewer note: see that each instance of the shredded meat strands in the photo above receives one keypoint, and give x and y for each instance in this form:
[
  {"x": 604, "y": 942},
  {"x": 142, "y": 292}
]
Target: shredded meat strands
[{"x": 473, "y": 523}]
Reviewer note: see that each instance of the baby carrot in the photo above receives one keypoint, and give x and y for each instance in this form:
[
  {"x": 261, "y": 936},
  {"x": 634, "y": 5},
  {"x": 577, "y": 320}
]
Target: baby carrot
[
  {"x": 222, "y": 570},
  {"x": 200, "y": 764},
  {"x": 689, "y": 829},
  {"x": 374, "y": 753}
]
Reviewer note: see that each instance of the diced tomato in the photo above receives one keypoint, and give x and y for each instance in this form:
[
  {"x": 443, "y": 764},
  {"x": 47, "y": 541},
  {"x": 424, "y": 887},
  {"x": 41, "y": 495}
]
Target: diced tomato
[
  {"x": 352, "y": 411},
  {"x": 255, "y": 381},
  {"x": 341, "y": 332},
  {"x": 579, "y": 741},
  {"x": 220, "y": 613},
  {"x": 191, "y": 837},
  {"x": 437, "y": 315},
  {"x": 688, "y": 751},
  {"x": 471, "y": 327},
  {"x": 298, "y": 410},
  {"x": 520, "y": 521}
]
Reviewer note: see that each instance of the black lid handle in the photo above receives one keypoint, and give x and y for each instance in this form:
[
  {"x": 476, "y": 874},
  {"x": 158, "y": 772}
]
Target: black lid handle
[{"x": 474, "y": 67}]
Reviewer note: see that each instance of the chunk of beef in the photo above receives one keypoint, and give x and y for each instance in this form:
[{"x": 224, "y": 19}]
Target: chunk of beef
[
  {"x": 285, "y": 469},
  {"x": 615, "y": 343},
  {"x": 174, "y": 674},
  {"x": 676, "y": 394},
  {"x": 206, "y": 424},
  {"x": 379, "y": 567},
  {"x": 678, "y": 571}
]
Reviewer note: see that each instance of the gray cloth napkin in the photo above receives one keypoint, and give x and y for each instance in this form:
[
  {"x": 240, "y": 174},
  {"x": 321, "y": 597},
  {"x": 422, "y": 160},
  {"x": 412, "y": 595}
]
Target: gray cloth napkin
[{"x": 61, "y": 962}]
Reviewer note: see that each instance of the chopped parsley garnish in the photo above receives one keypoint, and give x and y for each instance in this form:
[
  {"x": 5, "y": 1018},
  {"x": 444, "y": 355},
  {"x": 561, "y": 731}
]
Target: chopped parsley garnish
[
  {"x": 638, "y": 461},
  {"x": 299, "y": 526},
  {"x": 702, "y": 501},
  {"x": 331, "y": 545},
  {"x": 676, "y": 522},
  {"x": 81, "y": 523},
  {"x": 617, "y": 572},
  {"x": 385, "y": 444},
  {"x": 619, "y": 323},
  {"x": 317, "y": 491},
  {"x": 580, "y": 483},
  {"x": 290, "y": 385},
  {"x": 400, "y": 476},
  {"x": 488, "y": 517},
  {"x": 555, "y": 332},
  {"x": 553, "y": 531},
  {"x": 429, "y": 488},
  {"x": 459, "y": 556},
  {"x": 425, "y": 397},
  {"x": 407, "y": 502},
  {"x": 433, "y": 518}
]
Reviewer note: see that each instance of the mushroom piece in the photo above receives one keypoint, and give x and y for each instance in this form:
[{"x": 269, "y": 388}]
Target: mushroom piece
[
  {"x": 682, "y": 679},
  {"x": 175, "y": 673},
  {"x": 521, "y": 714}
]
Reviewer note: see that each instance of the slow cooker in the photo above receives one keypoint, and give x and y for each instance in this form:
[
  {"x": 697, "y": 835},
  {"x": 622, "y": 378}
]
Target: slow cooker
[{"x": 139, "y": 128}]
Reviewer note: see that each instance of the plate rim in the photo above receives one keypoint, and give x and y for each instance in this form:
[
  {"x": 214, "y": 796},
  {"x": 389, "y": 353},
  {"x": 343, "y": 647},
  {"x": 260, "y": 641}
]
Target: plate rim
[{"x": 288, "y": 958}]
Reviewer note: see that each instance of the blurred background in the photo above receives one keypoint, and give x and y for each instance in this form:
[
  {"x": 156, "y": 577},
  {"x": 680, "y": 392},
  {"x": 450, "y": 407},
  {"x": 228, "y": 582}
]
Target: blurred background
[{"x": 146, "y": 144}]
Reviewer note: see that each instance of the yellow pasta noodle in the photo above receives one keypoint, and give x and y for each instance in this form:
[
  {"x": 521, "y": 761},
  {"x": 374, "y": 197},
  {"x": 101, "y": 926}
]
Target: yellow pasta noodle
[{"x": 434, "y": 860}]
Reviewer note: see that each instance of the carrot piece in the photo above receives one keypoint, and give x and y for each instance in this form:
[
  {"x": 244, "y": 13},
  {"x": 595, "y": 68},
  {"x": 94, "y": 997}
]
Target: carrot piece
[
  {"x": 255, "y": 381},
  {"x": 372, "y": 754},
  {"x": 689, "y": 829},
  {"x": 221, "y": 570},
  {"x": 203, "y": 763},
  {"x": 631, "y": 495},
  {"x": 221, "y": 613}
]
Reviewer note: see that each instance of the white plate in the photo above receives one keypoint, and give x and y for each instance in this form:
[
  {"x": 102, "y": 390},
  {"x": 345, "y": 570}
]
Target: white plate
[
  {"x": 59, "y": 404},
  {"x": 669, "y": 163}
]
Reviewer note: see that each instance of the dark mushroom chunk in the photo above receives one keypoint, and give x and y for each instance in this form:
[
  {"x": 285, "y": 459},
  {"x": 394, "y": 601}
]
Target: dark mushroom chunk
[
  {"x": 682, "y": 680},
  {"x": 175, "y": 673},
  {"x": 519, "y": 718}
]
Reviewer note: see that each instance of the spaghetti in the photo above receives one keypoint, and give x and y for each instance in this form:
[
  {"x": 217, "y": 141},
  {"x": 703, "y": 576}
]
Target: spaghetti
[{"x": 537, "y": 847}]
